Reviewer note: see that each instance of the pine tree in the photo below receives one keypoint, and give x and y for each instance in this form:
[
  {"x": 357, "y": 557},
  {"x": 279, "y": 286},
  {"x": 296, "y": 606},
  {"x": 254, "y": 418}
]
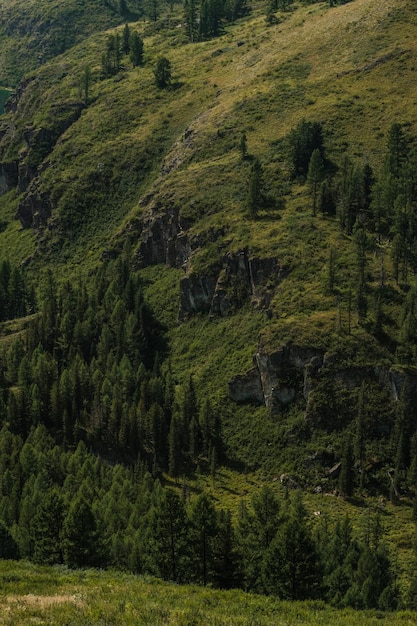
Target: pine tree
[
  {"x": 255, "y": 189},
  {"x": 315, "y": 175},
  {"x": 81, "y": 544},
  {"x": 190, "y": 14},
  {"x": 291, "y": 566},
  {"x": 47, "y": 527},
  {"x": 346, "y": 476},
  {"x": 203, "y": 531},
  {"x": 136, "y": 49},
  {"x": 8, "y": 546},
  {"x": 126, "y": 39},
  {"x": 226, "y": 559},
  {"x": 169, "y": 537},
  {"x": 163, "y": 73}
]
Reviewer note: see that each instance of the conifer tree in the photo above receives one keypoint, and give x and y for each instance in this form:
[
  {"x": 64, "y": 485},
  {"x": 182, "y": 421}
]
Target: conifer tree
[
  {"x": 255, "y": 188},
  {"x": 81, "y": 544},
  {"x": 136, "y": 49},
  {"x": 315, "y": 176},
  {"x": 47, "y": 527},
  {"x": 126, "y": 39},
  {"x": 203, "y": 531},
  {"x": 169, "y": 539},
  {"x": 291, "y": 565}
]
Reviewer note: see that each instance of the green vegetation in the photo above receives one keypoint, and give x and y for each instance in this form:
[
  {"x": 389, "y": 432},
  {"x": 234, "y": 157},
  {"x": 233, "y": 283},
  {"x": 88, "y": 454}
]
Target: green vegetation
[
  {"x": 4, "y": 94},
  {"x": 217, "y": 309},
  {"x": 57, "y": 596}
]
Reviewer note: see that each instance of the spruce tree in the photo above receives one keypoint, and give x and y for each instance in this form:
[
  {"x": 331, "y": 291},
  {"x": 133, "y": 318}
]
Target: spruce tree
[
  {"x": 315, "y": 175},
  {"x": 291, "y": 565},
  {"x": 203, "y": 531}
]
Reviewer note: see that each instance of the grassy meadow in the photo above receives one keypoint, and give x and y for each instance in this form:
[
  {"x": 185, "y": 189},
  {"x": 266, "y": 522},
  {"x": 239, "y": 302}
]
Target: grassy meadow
[{"x": 43, "y": 595}]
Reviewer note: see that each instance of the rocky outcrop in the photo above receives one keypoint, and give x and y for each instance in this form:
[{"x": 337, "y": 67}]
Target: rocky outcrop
[
  {"x": 35, "y": 208},
  {"x": 163, "y": 239},
  {"x": 281, "y": 375},
  {"x": 196, "y": 295},
  {"x": 227, "y": 283},
  {"x": 295, "y": 372},
  {"x": 9, "y": 173},
  {"x": 247, "y": 387},
  {"x": 232, "y": 282},
  {"x": 12, "y": 102}
]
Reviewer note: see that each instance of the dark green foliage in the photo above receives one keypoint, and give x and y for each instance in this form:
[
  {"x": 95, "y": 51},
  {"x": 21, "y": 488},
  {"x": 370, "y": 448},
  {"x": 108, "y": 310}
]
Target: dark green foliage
[
  {"x": 291, "y": 566},
  {"x": 126, "y": 39},
  {"x": 46, "y": 528},
  {"x": 211, "y": 13},
  {"x": 255, "y": 195},
  {"x": 163, "y": 73},
  {"x": 152, "y": 9},
  {"x": 16, "y": 295},
  {"x": 315, "y": 176},
  {"x": 203, "y": 532},
  {"x": 136, "y": 49},
  {"x": 190, "y": 18},
  {"x": 346, "y": 476},
  {"x": 111, "y": 57},
  {"x": 243, "y": 146},
  {"x": 205, "y": 20},
  {"x": 169, "y": 538},
  {"x": 85, "y": 84},
  {"x": 8, "y": 546},
  {"x": 302, "y": 141},
  {"x": 81, "y": 544}
]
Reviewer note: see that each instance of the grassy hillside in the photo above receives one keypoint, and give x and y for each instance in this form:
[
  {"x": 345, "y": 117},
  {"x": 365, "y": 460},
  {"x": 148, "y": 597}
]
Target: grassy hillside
[
  {"x": 157, "y": 179},
  {"x": 135, "y": 148},
  {"x": 31, "y": 33},
  {"x": 56, "y": 596}
]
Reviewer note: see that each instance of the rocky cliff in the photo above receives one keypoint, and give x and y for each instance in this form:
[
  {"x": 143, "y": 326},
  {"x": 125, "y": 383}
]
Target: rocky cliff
[{"x": 311, "y": 376}]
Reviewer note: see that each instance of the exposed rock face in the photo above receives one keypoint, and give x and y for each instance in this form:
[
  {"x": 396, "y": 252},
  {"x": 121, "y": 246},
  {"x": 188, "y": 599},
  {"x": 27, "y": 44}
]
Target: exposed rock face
[
  {"x": 231, "y": 283},
  {"x": 8, "y": 177},
  {"x": 163, "y": 238},
  {"x": 247, "y": 387},
  {"x": 12, "y": 102},
  {"x": 35, "y": 208},
  {"x": 196, "y": 295},
  {"x": 294, "y": 371},
  {"x": 282, "y": 376}
]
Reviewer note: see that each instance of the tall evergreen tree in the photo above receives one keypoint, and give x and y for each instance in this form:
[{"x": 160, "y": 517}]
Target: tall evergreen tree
[
  {"x": 315, "y": 176},
  {"x": 291, "y": 566},
  {"x": 203, "y": 531},
  {"x": 81, "y": 543}
]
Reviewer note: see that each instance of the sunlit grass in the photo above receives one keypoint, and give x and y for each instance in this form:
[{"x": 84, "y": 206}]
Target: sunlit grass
[{"x": 56, "y": 596}]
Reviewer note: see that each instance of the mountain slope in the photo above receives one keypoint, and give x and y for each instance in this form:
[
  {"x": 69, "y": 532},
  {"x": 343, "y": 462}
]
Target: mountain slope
[
  {"x": 297, "y": 324},
  {"x": 164, "y": 167},
  {"x": 33, "y": 32}
]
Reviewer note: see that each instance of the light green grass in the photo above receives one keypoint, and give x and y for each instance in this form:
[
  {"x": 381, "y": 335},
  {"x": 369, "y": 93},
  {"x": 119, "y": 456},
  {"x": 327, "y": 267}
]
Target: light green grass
[{"x": 54, "y": 596}]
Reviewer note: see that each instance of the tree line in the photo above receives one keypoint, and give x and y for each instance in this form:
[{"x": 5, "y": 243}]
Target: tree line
[
  {"x": 73, "y": 507},
  {"x": 92, "y": 367}
]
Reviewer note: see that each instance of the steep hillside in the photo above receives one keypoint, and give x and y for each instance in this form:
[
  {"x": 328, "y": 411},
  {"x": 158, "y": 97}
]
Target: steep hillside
[
  {"x": 33, "y": 32},
  {"x": 164, "y": 169},
  {"x": 234, "y": 260}
]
